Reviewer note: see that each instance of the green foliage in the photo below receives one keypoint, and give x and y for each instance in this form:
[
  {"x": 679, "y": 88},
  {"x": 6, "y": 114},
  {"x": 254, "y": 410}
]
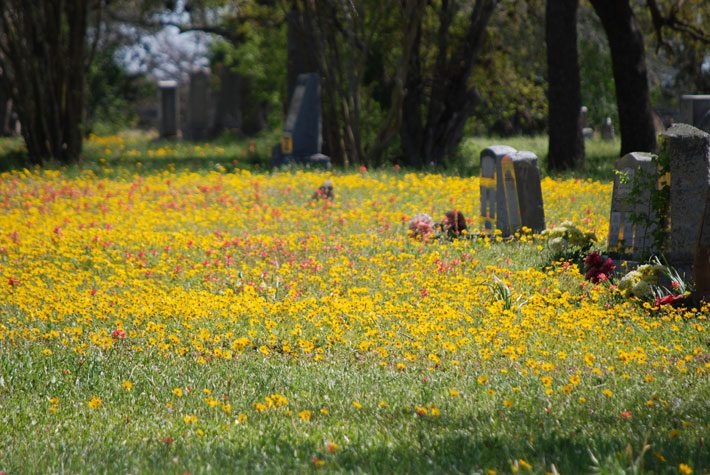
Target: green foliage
[
  {"x": 260, "y": 57},
  {"x": 111, "y": 93},
  {"x": 661, "y": 197},
  {"x": 511, "y": 76},
  {"x": 597, "y": 79}
]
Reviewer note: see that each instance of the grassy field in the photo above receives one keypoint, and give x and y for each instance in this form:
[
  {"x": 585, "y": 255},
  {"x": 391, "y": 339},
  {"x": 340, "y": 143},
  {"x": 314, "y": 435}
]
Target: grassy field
[{"x": 166, "y": 309}]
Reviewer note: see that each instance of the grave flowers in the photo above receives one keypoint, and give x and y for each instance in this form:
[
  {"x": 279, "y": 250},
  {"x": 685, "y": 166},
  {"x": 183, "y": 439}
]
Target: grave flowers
[
  {"x": 566, "y": 240},
  {"x": 597, "y": 268},
  {"x": 453, "y": 224},
  {"x": 645, "y": 282},
  {"x": 421, "y": 226}
]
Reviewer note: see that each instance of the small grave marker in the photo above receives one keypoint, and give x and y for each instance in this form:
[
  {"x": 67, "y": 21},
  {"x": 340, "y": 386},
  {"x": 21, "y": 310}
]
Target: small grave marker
[
  {"x": 198, "y": 106},
  {"x": 608, "y": 130},
  {"x": 168, "y": 109}
]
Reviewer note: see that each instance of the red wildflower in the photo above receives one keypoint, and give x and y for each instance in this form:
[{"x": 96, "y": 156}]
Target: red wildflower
[
  {"x": 668, "y": 299},
  {"x": 597, "y": 269},
  {"x": 118, "y": 334}
]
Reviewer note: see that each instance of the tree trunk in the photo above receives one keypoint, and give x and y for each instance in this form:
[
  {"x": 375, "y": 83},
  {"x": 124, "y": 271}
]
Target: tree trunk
[
  {"x": 411, "y": 129},
  {"x": 566, "y": 143},
  {"x": 638, "y": 133},
  {"x": 451, "y": 100},
  {"x": 43, "y": 54},
  {"x": 312, "y": 35},
  {"x": 301, "y": 51}
]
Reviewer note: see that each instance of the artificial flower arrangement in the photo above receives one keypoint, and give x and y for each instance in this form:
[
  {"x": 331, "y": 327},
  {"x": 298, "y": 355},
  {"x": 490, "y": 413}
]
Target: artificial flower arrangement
[
  {"x": 423, "y": 227},
  {"x": 566, "y": 240},
  {"x": 645, "y": 282}
]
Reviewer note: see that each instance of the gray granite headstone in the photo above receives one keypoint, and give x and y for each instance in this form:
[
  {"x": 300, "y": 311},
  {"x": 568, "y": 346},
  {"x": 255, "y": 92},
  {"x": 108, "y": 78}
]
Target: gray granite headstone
[
  {"x": 587, "y": 132},
  {"x": 493, "y": 207},
  {"x": 608, "y": 129},
  {"x": 198, "y": 107},
  {"x": 688, "y": 151},
  {"x": 511, "y": 196},
  {"x": 701, "y": 264},
  {"x": 527, "y": 176},
  {"x": 228, "y": 102},
  {"x": 303, "y": 122},
  {"x": 168, "y": 116},
  {"x": 301, "y": 141},
  {"x": 632, "y": 220},
  {"x": 695, "y": 110}
]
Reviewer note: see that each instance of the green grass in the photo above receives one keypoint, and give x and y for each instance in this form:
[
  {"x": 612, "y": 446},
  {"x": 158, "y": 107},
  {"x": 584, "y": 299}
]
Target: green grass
[
  {"x": 128, "y": 434},
  {"x": 144, "y": 430},
  {"x": 599, "y": 161},
  {"x": 600, "y": 155}
]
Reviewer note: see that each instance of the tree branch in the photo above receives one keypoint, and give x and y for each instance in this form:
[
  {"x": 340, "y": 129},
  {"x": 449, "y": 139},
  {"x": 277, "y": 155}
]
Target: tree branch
[{"x": 671, "y": 21}]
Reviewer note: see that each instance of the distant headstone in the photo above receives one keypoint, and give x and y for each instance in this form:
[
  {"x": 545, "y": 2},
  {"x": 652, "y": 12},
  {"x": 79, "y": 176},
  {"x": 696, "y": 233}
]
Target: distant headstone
[
  {"x": 325, "y": 191},
  {"x": 198, "y": 107},
  {"x": 695, "y": 110},
  {"x": 301, "y": 141},
  {"x": 168, "y": 116},
  {"x": 688, "y": 151},
  {"x": 632, "y": 220},
  {"x": 587, "y": 132},
  {"x": 608, "y": 129},
  {"x": 509, "y": 202},
  {"x": 228, "y": 102}
]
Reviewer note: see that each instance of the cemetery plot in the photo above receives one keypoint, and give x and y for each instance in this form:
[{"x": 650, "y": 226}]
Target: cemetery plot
[
  {"x": 168, "y": 117},
  {"x": 510, "y": 191},
  {"x": 223, "y": 321},
  {"x": 632, "y": 224}
]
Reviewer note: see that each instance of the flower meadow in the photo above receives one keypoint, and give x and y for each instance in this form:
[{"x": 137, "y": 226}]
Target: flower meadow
[{"x": 227, "y": 322}]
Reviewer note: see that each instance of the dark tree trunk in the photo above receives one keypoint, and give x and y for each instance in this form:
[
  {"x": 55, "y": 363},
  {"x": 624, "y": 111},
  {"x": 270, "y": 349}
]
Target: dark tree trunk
[
  {"x": 301, "y": 52},
  {"x": 638, "y": 133},
  {"x": 451, "y": 100},
  {"x": 411, "y": 129},
  {"x": 311, "y": 49},
  {"x": 43, "y": 52},
  {"x": 566, "y": 143}
]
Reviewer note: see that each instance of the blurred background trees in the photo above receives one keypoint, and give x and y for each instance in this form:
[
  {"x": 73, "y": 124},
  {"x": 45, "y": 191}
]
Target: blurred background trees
[{"x": 402, "y": 81}]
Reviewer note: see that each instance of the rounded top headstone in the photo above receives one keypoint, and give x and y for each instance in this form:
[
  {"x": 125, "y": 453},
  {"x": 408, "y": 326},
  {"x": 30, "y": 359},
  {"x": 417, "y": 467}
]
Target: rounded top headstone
[
  {"x": 498, "y": 150},
  {"x": 684, "y": 130}
]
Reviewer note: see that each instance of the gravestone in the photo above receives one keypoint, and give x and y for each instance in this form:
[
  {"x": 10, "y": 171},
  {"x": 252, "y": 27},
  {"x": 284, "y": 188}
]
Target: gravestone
[
  {"x": 168, "y": 116},
  {"x": 632, "y": 220},
  {"x": 509, "y": 201},
  {"x": 587, "y": 132},
  {"x": 701, "y": 263},
  {"x": 527, "y": 177},
  {"x": 688, "y": 151},
  {"x": 695, "y": 110},
  {"x": 228, "y": 102},
  {"x": 198, "y": 107},
  {"x": 608, "y": 130},
  {"x": 301, "y": 141}
]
